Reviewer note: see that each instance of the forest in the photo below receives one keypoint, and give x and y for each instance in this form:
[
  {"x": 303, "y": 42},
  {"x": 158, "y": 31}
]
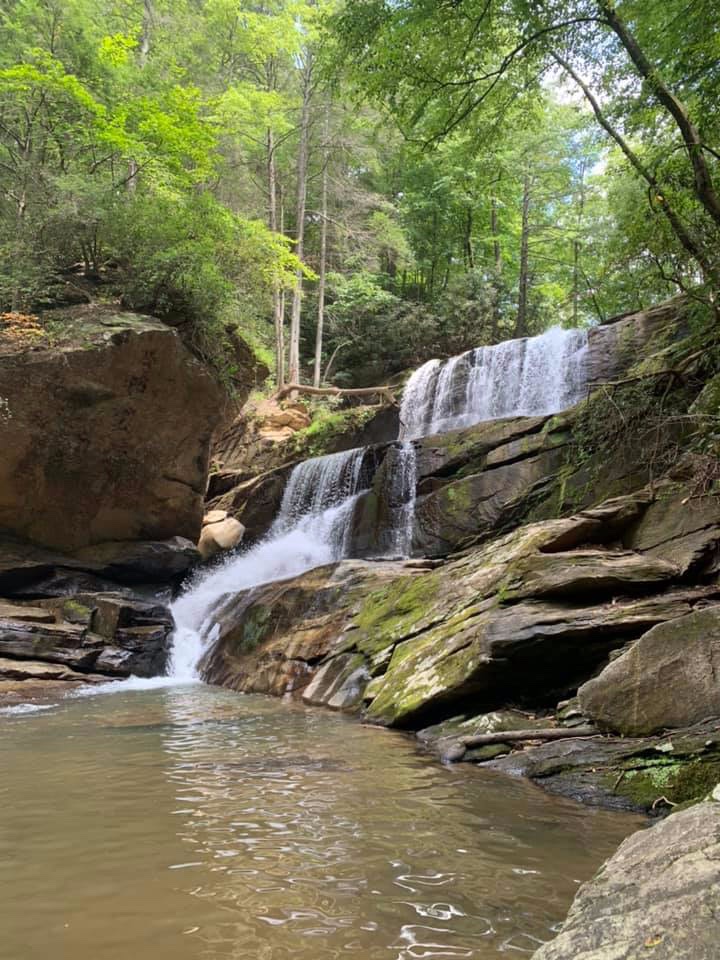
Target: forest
[
  {"x": 354, "y": 187},
  {"x": 360, "y": 479}
]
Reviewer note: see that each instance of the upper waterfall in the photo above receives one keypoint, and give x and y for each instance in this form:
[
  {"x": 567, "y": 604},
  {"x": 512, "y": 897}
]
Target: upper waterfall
[{"x": 528, "y": 377}]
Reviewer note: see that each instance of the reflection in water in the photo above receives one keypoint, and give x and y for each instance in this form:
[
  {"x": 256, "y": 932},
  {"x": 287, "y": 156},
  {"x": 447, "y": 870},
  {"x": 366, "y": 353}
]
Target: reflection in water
[{"x": 195, "y": 823}]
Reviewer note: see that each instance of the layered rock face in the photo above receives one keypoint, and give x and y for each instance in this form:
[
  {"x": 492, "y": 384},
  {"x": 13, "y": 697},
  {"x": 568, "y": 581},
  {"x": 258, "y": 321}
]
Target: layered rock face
[{"x": 106, "y": 436}]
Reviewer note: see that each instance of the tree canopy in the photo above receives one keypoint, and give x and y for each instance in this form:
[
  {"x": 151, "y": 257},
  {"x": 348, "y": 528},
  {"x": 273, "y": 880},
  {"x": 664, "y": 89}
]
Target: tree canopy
[{"x": 357, "y": 186}]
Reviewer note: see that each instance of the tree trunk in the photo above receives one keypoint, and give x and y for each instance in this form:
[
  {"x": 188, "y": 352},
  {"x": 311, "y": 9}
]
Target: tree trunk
[
  {"x": 521, "y": 328},
  {"x": 469, "y": 252},
  {"x": 384, "y": 391},
  {"x": 16, "y": 302},
  {"x": 302, "y": 163},
  {"x": 688, "y": 241},
  {"x": 576, "y": 250},
  {"x": 276, "y": 294},
  {"x": 704, "y": 188},
  {"x": 323, "y": 251},
  {"x": 497, "y": 258},
  {"x": 143, "y": 53}
]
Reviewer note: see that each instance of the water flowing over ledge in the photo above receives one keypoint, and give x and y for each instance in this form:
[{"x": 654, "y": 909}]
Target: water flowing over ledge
[
  {"x": 312, "y": 528},
  {"x": 529, "y": 377},
  {"x": 518, "y": 378}
]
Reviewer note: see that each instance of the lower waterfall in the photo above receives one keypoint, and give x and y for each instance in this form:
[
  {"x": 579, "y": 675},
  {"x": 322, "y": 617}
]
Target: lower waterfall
[
  {"x": 518, "y": 378},
  {"x": 312, "y": 528}
]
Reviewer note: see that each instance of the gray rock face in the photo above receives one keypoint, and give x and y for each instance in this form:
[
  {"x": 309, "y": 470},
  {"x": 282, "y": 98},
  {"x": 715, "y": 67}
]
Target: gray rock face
[
  {"x": 637, "y": 693},
  {"x": 658, "y": 896},
  {"x": 32, "y": 571},
  {"x": 615, "y": 346}
]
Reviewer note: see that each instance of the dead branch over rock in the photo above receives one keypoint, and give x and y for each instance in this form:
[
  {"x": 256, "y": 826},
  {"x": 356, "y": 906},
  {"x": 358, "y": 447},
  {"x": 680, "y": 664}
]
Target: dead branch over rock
[
  {"x": 289, "y": 389},
  {"x": 454, "y": 750}
]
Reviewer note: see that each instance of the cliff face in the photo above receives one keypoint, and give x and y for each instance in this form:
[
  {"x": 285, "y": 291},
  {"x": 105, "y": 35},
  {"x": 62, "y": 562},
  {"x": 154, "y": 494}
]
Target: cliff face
[
  {"x": 106, "y": 421},
  {"x": 105, "y": 436}
]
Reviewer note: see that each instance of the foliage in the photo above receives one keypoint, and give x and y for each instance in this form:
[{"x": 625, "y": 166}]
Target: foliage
[{"x": 151, "y": 149}]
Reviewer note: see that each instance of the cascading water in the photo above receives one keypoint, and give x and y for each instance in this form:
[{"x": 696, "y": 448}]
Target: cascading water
[
  {"x": 312, "y": 528},
  {"x": 518, "y": 378},
  {"x": 529, "y": 377},
  {"x": 402, "y": 500}
]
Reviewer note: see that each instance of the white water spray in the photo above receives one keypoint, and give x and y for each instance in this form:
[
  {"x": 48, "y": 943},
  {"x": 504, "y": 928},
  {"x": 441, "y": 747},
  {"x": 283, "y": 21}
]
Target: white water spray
[
  {"x": 312, "y": 528},
  {"x": 518, "y": 378}
]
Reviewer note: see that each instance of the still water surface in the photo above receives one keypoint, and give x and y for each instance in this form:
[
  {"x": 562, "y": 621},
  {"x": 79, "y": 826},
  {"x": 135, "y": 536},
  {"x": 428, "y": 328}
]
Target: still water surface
[{"x": 190, "y": 823}]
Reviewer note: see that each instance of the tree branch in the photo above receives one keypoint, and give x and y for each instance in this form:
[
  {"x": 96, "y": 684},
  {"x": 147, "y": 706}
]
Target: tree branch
[{"x": 704, "y": 188}]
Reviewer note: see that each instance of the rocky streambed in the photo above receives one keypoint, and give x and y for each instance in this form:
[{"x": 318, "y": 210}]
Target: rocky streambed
[{"x": 558, "y": 620}]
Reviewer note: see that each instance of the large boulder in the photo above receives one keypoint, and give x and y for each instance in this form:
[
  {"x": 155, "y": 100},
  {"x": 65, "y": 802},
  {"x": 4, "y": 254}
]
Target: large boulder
[
  {"x": 658, "y": 896},
  {"x": 526, "y": 617},
  {"x": 105, "y": 433},
  {"x": 271, "y": 639},
  {"x": 219, "y": 533},
  {"x": 638, "y": 693}
]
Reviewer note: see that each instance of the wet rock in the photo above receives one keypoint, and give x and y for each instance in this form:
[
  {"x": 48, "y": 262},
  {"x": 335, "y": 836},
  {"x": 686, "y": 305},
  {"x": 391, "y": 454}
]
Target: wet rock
[
  {"x": 493, "y": 654},
  {"x": 569, "y": 714},
  {"x": 274, "y": 638},
  {"x": 139, "y": 561},
  {"x": 657, "y": 896},
  {"x": 32, "y": 670},
  {"x": 679, "y": 528},
  {"x": 56, "y": 642},
  {"x": 253, "y": 502},
  {"x": 339, "y": 683},
  {"x": 214, "y": 516},
  {"x": 124, "y": 454},
  {"x": 639, "y": 692},
  {"x": 32, "y": 571},
  {"x": 479, "y": 504},
  {"x": 15, "y": 611},
  {"x": 615, "y": 346},
  {"x": 470, "y": 449},
  {"x": 585, "y": 573}
]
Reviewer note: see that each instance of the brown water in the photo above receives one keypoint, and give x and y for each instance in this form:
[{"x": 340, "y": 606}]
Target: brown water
[{"x": 189, "y": 822}]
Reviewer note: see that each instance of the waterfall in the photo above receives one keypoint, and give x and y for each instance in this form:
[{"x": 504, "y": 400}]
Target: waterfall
[
  {"x": 402, "y": 500},
  {"x": 312, "y": 528},
  {"x": 532, "y": 376},
  {"x": 518, "y": 378}
]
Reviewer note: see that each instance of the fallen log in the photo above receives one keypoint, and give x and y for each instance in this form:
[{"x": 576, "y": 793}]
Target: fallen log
[
  {"x": 293, "y": 388},
  {"x": 454, "y": 750}
]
